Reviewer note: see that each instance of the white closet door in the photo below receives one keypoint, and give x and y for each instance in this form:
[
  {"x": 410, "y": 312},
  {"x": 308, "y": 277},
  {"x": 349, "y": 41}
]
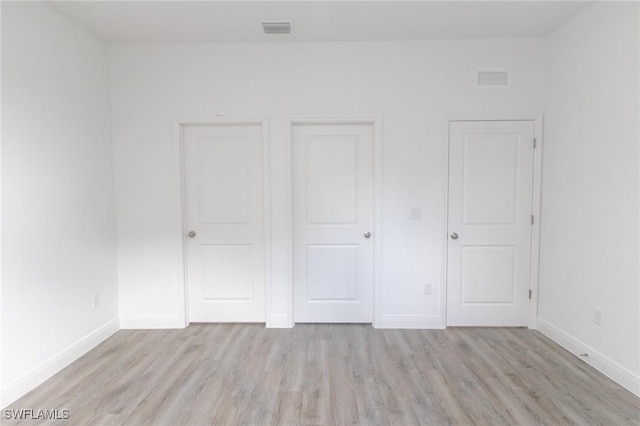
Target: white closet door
[
  {"x": 225, "y": 224},
  {"x": 490, "y": 201},
  {"x": 333, "y": 223}
]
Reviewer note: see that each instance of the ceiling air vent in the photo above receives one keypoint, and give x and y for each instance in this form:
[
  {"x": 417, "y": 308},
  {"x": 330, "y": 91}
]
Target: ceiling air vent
[
  {"x": 276, "y": 27},
  {"x": 493, "y": 77}
]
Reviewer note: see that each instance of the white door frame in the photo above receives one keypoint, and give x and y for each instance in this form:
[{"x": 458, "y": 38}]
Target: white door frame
[
  {"x": 537, "y": 119},
  {"x": 221, "y": 120},
  {"x": 376, "y": 122}
]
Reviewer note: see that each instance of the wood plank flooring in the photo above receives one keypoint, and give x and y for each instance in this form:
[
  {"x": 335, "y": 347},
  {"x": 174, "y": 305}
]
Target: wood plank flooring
[{"x": 331, "y": 374}]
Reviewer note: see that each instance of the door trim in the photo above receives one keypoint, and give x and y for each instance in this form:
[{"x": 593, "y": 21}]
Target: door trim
[
  {"x": 537, "y": 119},
  {"x": 220, "y": 120},
  {"x": 376, "y": 122}
]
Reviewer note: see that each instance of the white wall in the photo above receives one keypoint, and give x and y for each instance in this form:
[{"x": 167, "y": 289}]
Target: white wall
[
  {"x": 413, "y": 86},
  {"x": 590, "y": 210},
  {"x": 58, "y": 241}
]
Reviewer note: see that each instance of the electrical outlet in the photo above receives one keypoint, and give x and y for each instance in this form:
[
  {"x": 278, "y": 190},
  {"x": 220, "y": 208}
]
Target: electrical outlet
[
  {"x": 96, "y": 300},
  {"x": 427, "y": 289},
  {"x": 597, "y": 316}
]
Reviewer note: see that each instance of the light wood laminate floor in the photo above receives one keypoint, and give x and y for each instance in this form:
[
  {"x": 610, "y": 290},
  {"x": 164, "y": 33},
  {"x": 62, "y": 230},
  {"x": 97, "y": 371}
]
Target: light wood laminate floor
[{"x": 335, "y": 374}]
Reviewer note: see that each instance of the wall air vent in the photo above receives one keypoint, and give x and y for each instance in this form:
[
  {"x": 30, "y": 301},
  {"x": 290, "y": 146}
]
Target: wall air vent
[
  {"x": 493, "y": 77},
  {"x": 276, "y": 27}
]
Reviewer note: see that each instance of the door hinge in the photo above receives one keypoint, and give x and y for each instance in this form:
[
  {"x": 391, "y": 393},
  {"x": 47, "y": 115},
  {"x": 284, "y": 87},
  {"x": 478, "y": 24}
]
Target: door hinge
[
  {"x": 529, "y": 293},
  {"x": 534, "y": 143},
  {"x": 532, "y": 220}
]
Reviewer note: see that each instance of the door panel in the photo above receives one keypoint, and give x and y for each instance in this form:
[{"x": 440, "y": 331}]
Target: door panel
[
  {"x": 331, "y": 180},
  {"x": 224, "y": 207},
  {"x": 490, "y": 177},
  {"x": 224, "y": 160},
  {"x": 490, "y": 201},
  {"x": 333, "y": 209},
  {"x": 227, "y": 272},
  {"x": 339, "y": 282},
  {"x": 487, "y": 274}
]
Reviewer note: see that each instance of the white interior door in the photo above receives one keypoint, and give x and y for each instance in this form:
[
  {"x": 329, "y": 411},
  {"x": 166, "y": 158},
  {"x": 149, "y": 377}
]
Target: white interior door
[
  {"x": 333, "y": 223},
  {"x": 225, "y": 225},
  {"x": 490, "y": 201}
]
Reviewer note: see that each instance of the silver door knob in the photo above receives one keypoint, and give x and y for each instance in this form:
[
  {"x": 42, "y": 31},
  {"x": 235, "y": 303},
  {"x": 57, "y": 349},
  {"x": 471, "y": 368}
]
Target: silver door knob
[
  {"x": 454, "y": 236},
  {"x": 367, "y": 234},
  {"x": 191, "y": 234}
]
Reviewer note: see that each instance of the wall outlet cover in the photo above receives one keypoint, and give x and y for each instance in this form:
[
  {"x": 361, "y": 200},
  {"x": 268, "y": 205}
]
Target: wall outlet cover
[
  {"x": 597, "y": 316},
  {"x": 427, "y": 289}
]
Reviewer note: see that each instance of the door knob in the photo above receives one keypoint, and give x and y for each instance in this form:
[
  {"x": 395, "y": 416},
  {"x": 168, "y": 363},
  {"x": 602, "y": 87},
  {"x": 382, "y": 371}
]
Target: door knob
[
  {"x": 454, "y": 236},
  {"x": 367, "y": 234},
  {"x": 191, "y": 234}
]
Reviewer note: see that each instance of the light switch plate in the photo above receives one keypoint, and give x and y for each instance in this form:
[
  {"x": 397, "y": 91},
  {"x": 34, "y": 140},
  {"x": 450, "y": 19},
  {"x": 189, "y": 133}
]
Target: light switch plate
[{"x": 415, "y": 213}]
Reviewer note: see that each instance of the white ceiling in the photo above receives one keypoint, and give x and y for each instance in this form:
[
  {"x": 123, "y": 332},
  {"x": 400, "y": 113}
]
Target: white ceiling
[{"x": 207, "y": 21}]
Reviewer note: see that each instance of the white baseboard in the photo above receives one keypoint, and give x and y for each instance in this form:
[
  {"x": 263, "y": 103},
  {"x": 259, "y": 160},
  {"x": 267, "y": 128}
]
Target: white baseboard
[
  {"x": 616, "y": 372},
  {"x": 56, "y": 363},
  {"x": 411, "y": 322},
  {"x": 152, "y": 322},
  {"x": 279, "y": 321}
]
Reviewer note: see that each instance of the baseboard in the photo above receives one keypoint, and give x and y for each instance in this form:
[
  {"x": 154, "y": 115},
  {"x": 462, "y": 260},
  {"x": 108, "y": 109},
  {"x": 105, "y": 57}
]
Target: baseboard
[
  {"x": 411, "y": 322},
  {"x": 616, "y": 372},
  {"x": 37, "y": 376},
  {"x": 152, "y": 322},
  {"x": 280, "y": 321}
]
